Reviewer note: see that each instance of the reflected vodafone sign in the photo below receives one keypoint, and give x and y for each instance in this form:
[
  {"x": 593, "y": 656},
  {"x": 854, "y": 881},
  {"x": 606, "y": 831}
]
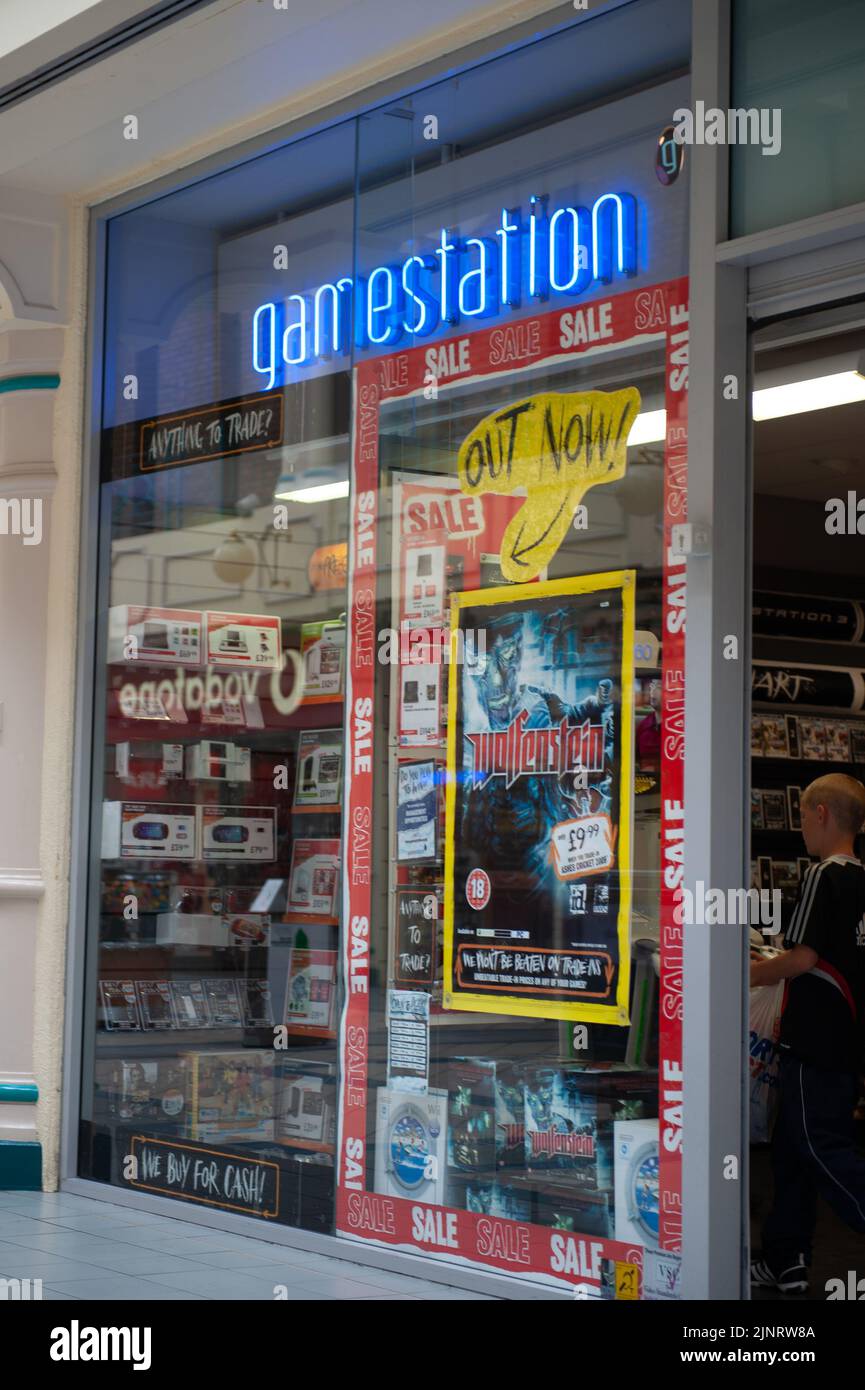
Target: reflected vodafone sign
[{"x": 209, "y": 691}]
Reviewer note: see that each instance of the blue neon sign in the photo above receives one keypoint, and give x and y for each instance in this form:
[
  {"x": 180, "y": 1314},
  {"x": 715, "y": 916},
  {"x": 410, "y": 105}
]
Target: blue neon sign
[{"x": 559, "y": 252}]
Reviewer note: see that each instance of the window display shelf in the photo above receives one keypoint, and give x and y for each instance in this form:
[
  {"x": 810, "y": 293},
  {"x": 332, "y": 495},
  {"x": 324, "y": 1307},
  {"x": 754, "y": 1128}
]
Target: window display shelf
[
  {"x": 294, "y": 919},
  {"x": 454, "y": 1017},
  {"x": 118, "y": 1042},
  {"x": 306, "y": 1145}
]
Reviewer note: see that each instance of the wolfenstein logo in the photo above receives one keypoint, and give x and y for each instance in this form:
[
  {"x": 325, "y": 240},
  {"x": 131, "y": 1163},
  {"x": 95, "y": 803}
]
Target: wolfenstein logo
[
  {"x": 520, "y": 752},
  {"x": 550, "y": 1141}
]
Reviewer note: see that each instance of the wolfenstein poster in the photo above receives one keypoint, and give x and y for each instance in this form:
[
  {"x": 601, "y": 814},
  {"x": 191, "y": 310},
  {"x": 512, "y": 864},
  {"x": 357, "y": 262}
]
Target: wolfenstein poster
[{"x": 539, "y": 791}]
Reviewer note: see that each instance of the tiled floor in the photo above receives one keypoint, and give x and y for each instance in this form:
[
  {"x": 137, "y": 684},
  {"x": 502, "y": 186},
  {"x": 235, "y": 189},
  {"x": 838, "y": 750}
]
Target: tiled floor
[{"x": 82, "y": 1249}]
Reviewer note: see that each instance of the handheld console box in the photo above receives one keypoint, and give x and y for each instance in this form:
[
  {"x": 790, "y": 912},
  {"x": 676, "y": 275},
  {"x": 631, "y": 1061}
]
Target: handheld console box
[
  {"x": 142, "y": 830},
  {"x": 217, "y": 761},
  {"x": 230, "y": 832}
]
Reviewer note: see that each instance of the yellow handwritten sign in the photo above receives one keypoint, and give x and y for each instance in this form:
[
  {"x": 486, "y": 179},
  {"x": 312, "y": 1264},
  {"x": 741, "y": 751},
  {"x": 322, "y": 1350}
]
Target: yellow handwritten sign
[
  {"x": 555, "y": 446},
  {"x": 627, "y": 1280}
]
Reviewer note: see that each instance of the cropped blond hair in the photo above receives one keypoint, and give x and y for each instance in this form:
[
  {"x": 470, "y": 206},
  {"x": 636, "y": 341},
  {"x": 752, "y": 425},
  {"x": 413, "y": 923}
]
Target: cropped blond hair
[{"x": 843, "y": 797}]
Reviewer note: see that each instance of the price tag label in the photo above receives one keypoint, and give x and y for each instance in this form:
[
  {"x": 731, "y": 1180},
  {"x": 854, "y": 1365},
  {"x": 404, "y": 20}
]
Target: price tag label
[{"x": 583, "y": 846}]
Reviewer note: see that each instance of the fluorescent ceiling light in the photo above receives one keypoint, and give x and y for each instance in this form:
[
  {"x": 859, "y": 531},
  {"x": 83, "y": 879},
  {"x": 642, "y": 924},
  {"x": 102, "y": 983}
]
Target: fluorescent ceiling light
[
  {"x": 321, "y": 492},
  {"x": 770, "y": 403},
  {"x": 650, "y": 427},
  {"x": 841, "y": 388}
]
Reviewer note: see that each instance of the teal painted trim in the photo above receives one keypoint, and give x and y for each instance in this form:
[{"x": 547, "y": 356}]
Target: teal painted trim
[
  {"x": 18, "y": 1093},
  {"x": 48, "y": 382},
  {"x": 20, "y": 1166}
]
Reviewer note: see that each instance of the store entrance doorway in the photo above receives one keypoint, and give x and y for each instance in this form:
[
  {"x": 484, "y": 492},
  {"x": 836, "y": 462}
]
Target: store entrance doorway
[{"x": 808, "y": 695}]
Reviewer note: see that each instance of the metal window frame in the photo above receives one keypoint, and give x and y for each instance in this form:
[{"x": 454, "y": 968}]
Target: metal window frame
[{"x": 717, "y": 754}]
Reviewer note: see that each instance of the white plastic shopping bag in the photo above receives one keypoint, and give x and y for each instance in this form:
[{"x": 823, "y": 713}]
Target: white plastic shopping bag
[{"x": 765, "y": 1022}]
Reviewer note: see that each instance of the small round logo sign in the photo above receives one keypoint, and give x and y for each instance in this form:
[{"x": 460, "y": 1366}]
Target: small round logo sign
[
  {"x": 478, "y": 889},
  {"x": 669, "y": 157}
]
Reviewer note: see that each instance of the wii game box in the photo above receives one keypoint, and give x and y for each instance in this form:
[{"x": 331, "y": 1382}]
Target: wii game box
[
  {"x": 410, "y": 1144},
  {"x": 637, "y": 1172}
]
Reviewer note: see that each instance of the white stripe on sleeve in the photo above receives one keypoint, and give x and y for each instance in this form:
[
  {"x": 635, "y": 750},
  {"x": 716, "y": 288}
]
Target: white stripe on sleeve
[{"x": 799, "y": 922}]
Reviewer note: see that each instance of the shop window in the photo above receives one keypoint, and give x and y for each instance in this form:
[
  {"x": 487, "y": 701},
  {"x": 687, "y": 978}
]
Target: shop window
[
  {"x": 807, "y": 724},
  {"x": 514, "y": 758},
  {"x": 213, "y": 1005},
  {"x": 410, "y": 389}
]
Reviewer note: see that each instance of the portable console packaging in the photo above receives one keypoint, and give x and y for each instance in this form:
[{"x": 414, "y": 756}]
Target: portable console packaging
[
  {"x": 158, "y": 762},
  {"x": 319, "y": 768},
  {"x": 322, "y": 647},
  {"x": 231, "y": 832},
  {"x": 142, "y": 830},
  {"x": 231, "y": 1096},
  {"x": 218, "y": 761},
  {"x": 154, "y": 636},
  {"x": 314, "y": 877},
  {"x": 210, "y": 929},
  {"x": 250, "y": 640},
  {"x": 306, "y": 1110}
]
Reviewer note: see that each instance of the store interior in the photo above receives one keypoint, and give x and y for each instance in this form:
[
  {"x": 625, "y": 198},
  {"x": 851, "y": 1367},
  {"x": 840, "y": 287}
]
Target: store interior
[{"x": 808, "y": 713}]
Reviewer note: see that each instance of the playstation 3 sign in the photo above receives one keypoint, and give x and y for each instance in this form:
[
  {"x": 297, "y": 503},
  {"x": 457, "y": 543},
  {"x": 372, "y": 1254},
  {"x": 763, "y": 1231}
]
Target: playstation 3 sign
[{"x": 547, "y": 251}]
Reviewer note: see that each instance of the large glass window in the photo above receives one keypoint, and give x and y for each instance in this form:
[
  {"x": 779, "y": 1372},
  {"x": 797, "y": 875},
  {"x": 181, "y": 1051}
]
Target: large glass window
[
  {"x": 801, "y": 67},
  {"x": 387, "y": 788},
  {"x": 212, "y": 1007}
]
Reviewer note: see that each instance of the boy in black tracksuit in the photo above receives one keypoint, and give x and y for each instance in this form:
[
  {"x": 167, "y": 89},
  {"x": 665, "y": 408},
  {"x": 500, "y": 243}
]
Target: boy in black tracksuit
[{"x": 821, "y": 1038}]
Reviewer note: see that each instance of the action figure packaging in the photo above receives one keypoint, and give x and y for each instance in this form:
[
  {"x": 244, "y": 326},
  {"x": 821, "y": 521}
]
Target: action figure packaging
[
  {"x": 231, "y": 1096},
  {"x": 150, "y": 1090},
  {"x": 569, "y": 1118},
  {"x": 486, "y": 1123}
]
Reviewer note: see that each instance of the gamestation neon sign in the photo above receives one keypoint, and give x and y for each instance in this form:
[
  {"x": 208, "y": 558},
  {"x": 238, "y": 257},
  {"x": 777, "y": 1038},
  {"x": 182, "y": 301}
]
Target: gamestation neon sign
[{"x": 561, "y": 252}]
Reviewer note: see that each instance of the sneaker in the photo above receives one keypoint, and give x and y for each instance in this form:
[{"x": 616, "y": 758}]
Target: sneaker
[{"x": 793, "y": 1278}]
